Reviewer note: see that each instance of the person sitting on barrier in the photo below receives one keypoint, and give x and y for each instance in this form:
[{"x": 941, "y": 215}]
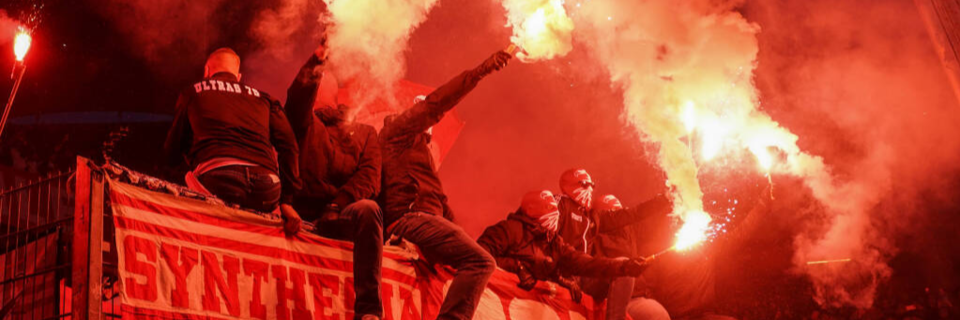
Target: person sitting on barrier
[
  {"x": 415, "y": 207},
  {"x": 340, "y": 167},
  {"x": 228, "y": 132},
  {"x": 527, "y": 244}
]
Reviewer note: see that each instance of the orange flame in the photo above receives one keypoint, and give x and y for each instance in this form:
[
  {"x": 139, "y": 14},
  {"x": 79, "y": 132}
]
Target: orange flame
[
  {"x": 694, "y": 230},
  {"x": 21, "y": 44},
  {"x": 541, "y": 27}
]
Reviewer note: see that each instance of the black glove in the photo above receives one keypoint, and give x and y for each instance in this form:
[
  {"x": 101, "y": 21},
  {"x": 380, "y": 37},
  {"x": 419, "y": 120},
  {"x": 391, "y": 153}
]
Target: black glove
[
  {"x": 527, "y": 281},
  {"x": 571, "y": 284},
  {"x": 634, "y": 267},
  {"x": 495, "y": 62},
  {"x": 541, "y": 268}
]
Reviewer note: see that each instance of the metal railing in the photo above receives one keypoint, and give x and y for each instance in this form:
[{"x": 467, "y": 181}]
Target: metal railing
[{"x": 35, "y": 217}]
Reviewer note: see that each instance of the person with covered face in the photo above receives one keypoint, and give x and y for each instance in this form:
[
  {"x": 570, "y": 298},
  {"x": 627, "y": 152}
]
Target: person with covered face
[
  {"x": 415, "y": 207},
  {"x": 237, "y": 140},
  {"x": 340, "y": 167},
  {"x": 527, "y": 244},
  {"x": 581, "y": 225}
]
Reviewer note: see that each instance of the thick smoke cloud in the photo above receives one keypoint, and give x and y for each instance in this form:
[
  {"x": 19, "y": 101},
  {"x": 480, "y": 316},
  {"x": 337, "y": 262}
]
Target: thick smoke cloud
[
  {"x": 859, "y": 82},
  {"x": 367, "y": 41},
  {"x": 8, "y": 28},
  {"x": 701, "y": 55}
]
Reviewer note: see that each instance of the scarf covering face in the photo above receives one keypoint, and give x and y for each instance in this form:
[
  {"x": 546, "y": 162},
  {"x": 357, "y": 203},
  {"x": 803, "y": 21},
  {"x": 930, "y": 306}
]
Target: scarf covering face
[
  {"x": 542, "y": 205},
  {"x": 577, "y": 184}
]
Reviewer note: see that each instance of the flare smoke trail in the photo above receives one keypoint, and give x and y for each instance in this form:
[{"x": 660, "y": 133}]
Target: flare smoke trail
[
  {"x": 8, "y": 27},
  {"x": 687, "y": 71},
  {"x": 367, "y": 40},
  {"x": 540, "y": 27}
]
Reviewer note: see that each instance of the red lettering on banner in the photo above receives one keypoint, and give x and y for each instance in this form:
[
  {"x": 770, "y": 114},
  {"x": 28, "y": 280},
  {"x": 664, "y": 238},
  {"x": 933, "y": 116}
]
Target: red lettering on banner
[
  {"x": 349, "y": 298},
  {"x": 323, "y": 301},
  {"x": 296, "y": 293},
  {"x": 409, "y": 310},
  {"x": 258, "y": 271},
  {"x": 213, "y": 276},
  {"x": 387, "y": 295},
  {"x": 131, "y": 247},
  {"x": 181, "y": 261}
]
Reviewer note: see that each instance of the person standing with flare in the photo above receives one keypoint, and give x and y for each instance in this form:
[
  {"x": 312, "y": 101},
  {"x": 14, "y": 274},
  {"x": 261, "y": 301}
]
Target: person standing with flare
[
  {"x": 415, "y": 207},
  {"x": 526, "y": 243},
  {"x": 340, "y": 168}
]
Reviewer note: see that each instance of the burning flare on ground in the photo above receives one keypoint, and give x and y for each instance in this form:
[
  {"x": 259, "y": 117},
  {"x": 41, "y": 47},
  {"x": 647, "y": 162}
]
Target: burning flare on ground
[
  {"x": 21, "y": 44},
  {"x": 540, "y": 27}
]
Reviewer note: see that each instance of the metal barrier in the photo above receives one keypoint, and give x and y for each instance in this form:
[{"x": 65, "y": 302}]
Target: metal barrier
[{"x": 35, "y": 218}]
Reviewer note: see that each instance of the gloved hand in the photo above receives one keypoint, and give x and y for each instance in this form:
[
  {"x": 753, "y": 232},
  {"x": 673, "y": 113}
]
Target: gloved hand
[
  {"x": 527, "y": 281},
  {"x": 291, "y": 219},
  {"x": 571, "y": 284},
  {"x": 495, "y": 62},
  {"x": 634, "y": 266},
  {"x": 541, "y": 268},
  {"x": 659, "y": 203}
]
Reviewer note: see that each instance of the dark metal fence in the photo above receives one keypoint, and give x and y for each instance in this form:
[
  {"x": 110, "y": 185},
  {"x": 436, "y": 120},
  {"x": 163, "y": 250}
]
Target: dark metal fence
[{"x": 35, "y": 217}]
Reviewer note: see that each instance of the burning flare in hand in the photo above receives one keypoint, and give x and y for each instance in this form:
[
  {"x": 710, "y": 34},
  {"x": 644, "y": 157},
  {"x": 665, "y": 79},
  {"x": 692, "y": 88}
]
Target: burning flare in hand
[
  {"x": 21, "y": 44},
  {"x": 540, "y": 27},
  {"x": 694, "y": 230}
]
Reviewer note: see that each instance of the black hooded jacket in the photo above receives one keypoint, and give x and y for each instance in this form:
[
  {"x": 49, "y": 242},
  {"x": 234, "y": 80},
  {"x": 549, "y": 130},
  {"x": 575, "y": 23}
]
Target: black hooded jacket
[
  {"x": 339, "y": 160},
  {"x": 521, "y": 240},
  {"x": 410, "y": 181}
]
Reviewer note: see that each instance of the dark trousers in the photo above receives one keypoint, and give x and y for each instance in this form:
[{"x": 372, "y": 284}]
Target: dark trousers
[
  {"x": 442, "y": 241},
  {"x": 617, "y": 291},
  {"x": 251, "y": 187},
  {"x": 362, "y": 223}
]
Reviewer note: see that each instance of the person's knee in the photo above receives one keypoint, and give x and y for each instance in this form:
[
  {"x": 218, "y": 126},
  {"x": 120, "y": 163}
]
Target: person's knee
[
  {"x": 484, "y": 262},
  {"x": 647, "y": 309},
  {"x": 367, "y": 211}
]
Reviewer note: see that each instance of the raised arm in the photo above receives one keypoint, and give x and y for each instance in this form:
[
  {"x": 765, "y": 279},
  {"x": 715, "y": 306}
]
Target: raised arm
[
  {"x": 616, "y": 219},
  {"x": 426, "y": 113},
  {"x": 300, "y": 97}
]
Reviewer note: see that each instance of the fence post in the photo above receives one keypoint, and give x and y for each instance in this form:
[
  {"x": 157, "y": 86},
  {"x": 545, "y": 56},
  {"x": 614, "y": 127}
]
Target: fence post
[{"x": 87, "y": 242}]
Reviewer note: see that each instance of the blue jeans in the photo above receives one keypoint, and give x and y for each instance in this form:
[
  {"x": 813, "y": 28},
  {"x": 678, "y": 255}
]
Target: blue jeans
[
  {"x": 251, "y": 187},
  {"x": 442, "y": 241}
]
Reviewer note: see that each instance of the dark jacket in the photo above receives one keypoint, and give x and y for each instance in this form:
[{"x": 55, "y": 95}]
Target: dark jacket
[
  {"x": 579, "y": 227},
  {"x": 339, "y": 161},
  {"x": 410, "y": 181},
  {"x": 521, "y": 240},
  {"x": 221, "y": 117}
]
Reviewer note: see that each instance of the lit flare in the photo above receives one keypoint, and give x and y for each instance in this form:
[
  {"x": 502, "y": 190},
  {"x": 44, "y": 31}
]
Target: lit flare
[
  {"x": 541, "y": 27},
  {"x": 694, "y": 230},
  {"x": 21, "y": 44}
]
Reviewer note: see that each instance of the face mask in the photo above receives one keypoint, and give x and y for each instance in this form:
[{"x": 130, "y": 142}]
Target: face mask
[
  {"x": 583, "y": 196},
  {"x": 550, "y": 221}
]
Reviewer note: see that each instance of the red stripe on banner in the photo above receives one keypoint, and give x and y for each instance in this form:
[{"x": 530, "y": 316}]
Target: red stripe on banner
[
  {"x": 131, "y": 312},
  {"x": 255, "y": 249},
  {"x": 200, "y": 217}
]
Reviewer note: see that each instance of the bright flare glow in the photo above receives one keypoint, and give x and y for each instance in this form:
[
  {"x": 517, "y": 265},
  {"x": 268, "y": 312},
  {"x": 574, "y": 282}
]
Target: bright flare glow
[
  {"x": 763, "y": 157},
  {"x": 21, "y": 44},
  {"x": 541, "y": 27},
  {"x": 690, "y": 116},
  {"x": 694, "y": 230}
]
